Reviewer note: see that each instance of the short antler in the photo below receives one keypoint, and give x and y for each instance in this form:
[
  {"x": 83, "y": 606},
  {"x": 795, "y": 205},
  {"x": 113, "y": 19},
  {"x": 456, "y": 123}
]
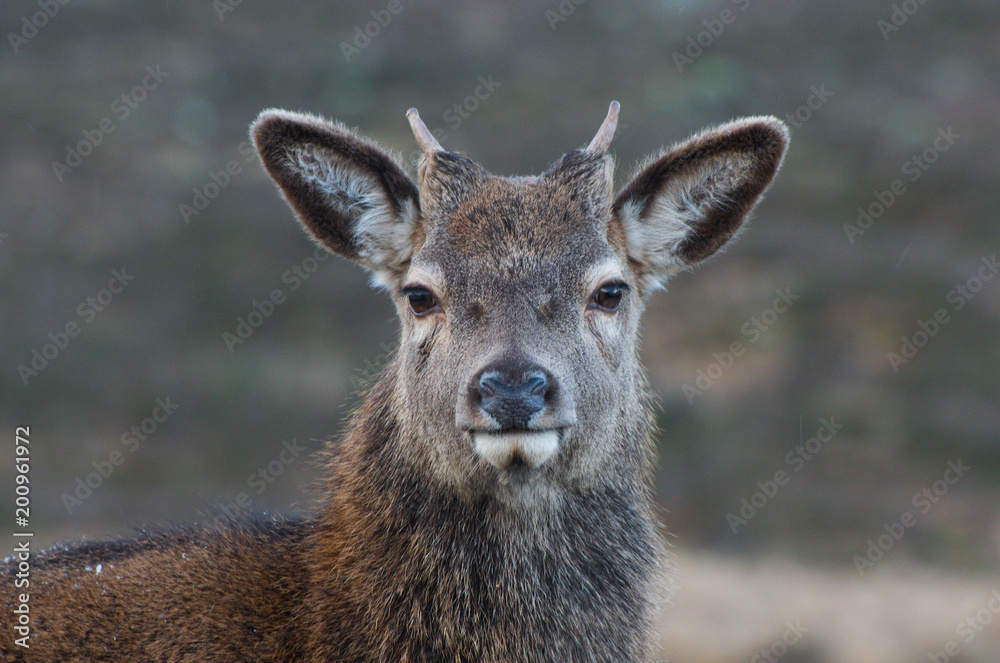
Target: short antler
[
  {"x": 602, "y": 141},
  {"x": 425, "y": 139}
]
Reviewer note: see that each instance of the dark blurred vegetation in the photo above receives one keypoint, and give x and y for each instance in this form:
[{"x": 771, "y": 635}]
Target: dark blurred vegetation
[{"x": 296, "y": 377}]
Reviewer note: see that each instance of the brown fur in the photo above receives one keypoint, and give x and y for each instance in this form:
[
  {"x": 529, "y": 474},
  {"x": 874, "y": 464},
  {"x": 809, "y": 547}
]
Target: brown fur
[{"x": 426, "y": 546}]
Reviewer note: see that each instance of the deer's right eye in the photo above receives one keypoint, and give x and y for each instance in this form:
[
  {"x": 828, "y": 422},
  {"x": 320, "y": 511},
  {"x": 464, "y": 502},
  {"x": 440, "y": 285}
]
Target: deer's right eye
[
  {"x": 608, "y": 297},
  {"x": 422, "y": 300}
]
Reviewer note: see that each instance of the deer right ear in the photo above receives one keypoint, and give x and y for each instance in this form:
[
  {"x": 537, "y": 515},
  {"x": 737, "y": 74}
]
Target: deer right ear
[
  {"x": 349, "y": 193},
  {"x": 686, "y": 202}
]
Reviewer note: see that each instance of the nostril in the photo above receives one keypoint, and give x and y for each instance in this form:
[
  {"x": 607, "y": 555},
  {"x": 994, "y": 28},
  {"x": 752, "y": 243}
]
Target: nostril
[
  {"x": 536, "y": 385},
  {"x": 489, "y": 385},
  {"x": 511, "y": 395}
]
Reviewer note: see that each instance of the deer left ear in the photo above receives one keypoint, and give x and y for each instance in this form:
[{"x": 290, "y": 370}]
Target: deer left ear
[
  {"x": 686, "y": 202},
  {"x": 349, "y": 193}
]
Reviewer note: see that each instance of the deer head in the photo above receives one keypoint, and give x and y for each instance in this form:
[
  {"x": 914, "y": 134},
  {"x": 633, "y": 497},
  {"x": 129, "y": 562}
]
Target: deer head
[{"x": 519, "y": 298}]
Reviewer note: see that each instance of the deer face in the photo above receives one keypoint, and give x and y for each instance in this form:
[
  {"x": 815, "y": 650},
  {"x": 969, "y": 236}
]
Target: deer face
[
  {"x": 519, "y": 298},
  {"x": 520, "y": 321}
]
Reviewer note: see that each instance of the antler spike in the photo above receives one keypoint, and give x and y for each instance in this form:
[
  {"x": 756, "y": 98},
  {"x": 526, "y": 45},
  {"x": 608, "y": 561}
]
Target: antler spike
[
  {"x": 602, "y": 141},
  {"x": 425, "y": 139}
]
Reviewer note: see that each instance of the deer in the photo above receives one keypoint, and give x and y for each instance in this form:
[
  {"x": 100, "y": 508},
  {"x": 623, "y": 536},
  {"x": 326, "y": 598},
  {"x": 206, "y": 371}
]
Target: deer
[{"x": 490, "y": 499}]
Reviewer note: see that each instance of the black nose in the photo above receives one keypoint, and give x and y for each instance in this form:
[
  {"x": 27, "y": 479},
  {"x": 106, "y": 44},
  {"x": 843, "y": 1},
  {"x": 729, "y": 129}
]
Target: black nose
[{"x": 511, "y": 394}]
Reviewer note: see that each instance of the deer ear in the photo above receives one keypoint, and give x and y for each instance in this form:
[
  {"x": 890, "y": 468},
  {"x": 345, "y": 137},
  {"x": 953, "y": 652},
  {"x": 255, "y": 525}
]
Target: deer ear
[
  {"x": 686, "y": 202},
  {"x": 350, "y": 194}
]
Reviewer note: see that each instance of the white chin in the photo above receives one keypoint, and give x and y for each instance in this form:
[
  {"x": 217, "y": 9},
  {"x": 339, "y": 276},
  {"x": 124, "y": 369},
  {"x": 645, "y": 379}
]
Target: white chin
[{"x": 501, "y": 450}]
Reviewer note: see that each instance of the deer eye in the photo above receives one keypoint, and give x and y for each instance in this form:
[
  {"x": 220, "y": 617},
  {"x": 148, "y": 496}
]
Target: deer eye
[
  {"x": 608, "y": 296},
  {"x": 422, "y": 300}
]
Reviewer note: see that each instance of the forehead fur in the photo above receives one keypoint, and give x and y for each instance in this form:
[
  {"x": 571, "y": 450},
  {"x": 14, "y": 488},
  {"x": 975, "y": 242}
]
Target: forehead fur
[
  {"x": 489, "y": 217},
  {"x": 519, "y": 223}
]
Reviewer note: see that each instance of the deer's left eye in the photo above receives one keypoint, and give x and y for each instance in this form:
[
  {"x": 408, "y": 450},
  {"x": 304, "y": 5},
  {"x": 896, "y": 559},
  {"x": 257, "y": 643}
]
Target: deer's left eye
[
  {"x": 608, "y": 296},
  {"x": 422, "y": 300}
]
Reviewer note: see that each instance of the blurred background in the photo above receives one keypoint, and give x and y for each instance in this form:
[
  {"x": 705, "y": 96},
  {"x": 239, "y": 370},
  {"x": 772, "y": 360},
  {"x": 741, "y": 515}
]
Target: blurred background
[{"x": 829, "y": 398}]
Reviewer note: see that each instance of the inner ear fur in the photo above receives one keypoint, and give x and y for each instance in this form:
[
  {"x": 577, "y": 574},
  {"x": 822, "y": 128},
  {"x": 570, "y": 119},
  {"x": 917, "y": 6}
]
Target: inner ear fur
[
  {"x": 686, "y": 202},
  {"x": 349, "y": 193}
]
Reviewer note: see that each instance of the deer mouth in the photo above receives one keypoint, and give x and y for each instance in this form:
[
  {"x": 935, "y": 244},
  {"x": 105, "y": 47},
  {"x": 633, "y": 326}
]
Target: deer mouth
[{"x": 516, "y": 448}]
